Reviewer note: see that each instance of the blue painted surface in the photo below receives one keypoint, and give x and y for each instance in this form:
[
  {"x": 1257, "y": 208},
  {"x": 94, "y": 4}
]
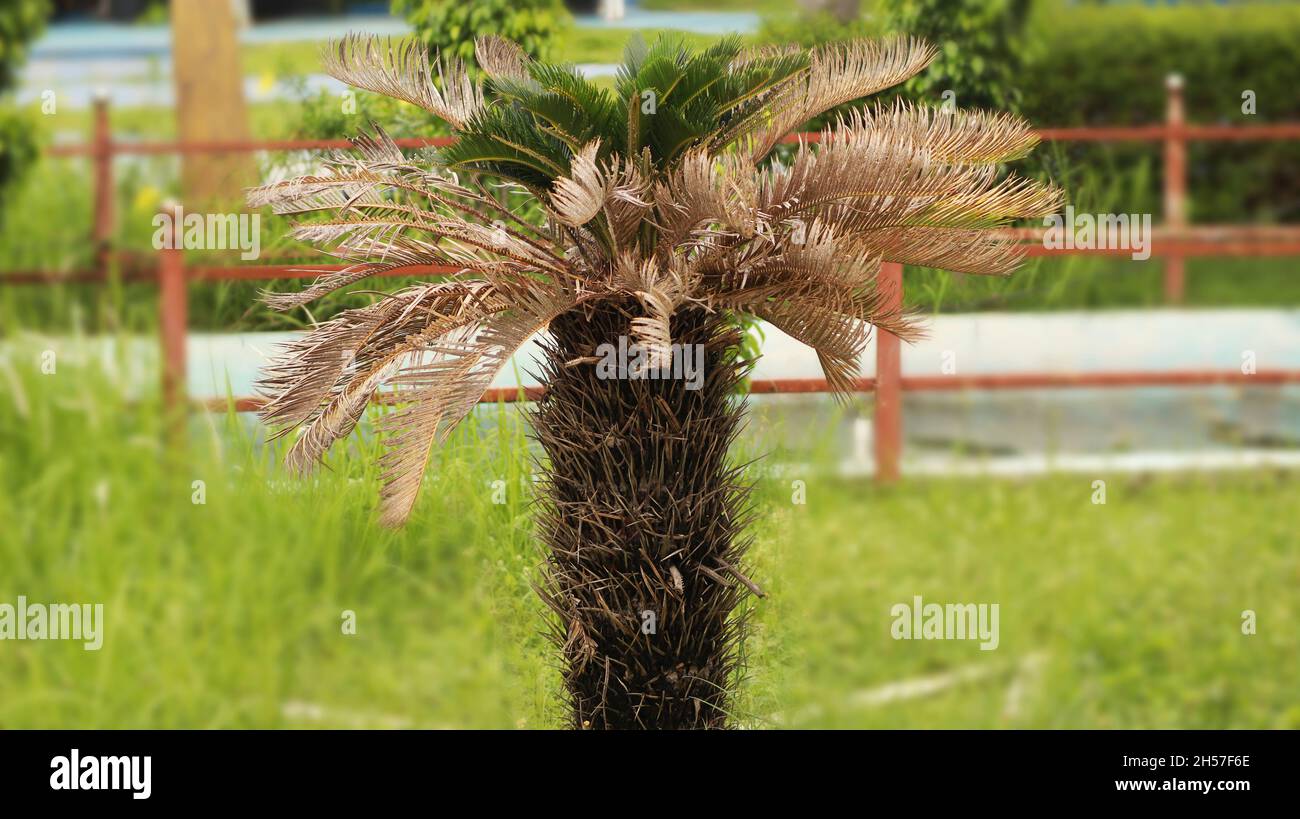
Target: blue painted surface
[
  {"x": 97, "y": 40},
  {"x": 132, "y": 63}
]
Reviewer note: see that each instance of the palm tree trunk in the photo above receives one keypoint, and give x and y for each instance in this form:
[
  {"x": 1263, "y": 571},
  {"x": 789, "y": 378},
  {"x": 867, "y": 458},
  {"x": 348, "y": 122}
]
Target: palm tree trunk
[{"x": 641, "y": 517}]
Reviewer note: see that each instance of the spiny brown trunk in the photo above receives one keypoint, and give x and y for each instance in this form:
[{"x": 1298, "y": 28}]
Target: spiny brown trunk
[{"x": 642, "y": 516}]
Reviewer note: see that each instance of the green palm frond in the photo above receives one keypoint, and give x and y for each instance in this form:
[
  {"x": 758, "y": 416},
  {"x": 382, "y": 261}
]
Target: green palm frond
[{"x": 506, "y": 141}]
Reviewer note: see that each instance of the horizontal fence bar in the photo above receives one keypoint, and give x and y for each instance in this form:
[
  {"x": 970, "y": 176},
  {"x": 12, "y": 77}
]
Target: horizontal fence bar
[
  {"x": 304, "y": 270},
  {"x": 1182, "y": 249},
  {"x": 1200, "y": 241},
  {"x": 1087, "y": 133},
  {"x": 149, "y": 148},
  {"x": 938, "y": 383},
  {"x": 1159, "y": 133},
  {"x": 1167, "y": 233},
  {"x": 1148, "y": 378}
]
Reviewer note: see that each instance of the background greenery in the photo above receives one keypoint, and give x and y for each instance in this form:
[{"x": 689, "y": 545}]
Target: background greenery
[
  {"x": 228, "y": 614},
  {"x": 1220, "y": 51},
  {"x": 450, "y": 26},
  {"x": 20, "y": 22},
  {"x": 1079, "y": 64},
  {"x": 1064, "y": 64}
]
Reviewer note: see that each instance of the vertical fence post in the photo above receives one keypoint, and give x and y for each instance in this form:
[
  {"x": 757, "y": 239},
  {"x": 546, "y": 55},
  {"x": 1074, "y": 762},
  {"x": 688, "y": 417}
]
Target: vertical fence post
[
  {"x": 1175, "y": 183},
  {"x": 102, "y": 156},
  {"x": 889, "y": 396},
  {"x": 172, "y": 321}
]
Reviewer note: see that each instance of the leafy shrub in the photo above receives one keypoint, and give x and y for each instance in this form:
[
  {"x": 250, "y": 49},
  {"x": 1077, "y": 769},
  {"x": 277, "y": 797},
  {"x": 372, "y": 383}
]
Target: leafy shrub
[
  {"x": 1088, "y": 65},
  {"x": 981, "y": 48},
  {"x": 20, "y": 22},
  {"x": 450, "y": 26},
  {"x": 1108, "y": 66},
  {"x": 325, "y": 114},
  {"x": 814, "y": 29}
]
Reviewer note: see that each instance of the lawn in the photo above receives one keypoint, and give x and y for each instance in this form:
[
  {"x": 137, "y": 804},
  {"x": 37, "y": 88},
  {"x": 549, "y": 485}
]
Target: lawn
[
  {"x": 576, "y": 45},
  {"x": 229, "y": 612},
  {"x": 762, "y": 7}
]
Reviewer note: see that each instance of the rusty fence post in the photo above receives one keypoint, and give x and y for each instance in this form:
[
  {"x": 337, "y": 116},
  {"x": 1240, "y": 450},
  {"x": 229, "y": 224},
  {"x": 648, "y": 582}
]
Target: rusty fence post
[
  {"x": 102, "y": 157},
  {"x": 173, "y": 318},
  {"x": 889, "y": 395},
  {"x": 1175, "y": 185}
]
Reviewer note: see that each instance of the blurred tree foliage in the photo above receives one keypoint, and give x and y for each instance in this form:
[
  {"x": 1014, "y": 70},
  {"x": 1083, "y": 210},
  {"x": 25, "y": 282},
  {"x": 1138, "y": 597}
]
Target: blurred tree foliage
[
  {"x": 326, "y": 114},
  {"x": 981, "y": 47},
  {"x": 1061, "y": 63},
  {"x": 20, "y": 22},
  {"x": 1108, "y": 66},
  {"x": 450, "y": 26},
  {"x": 814, "y": 28}
]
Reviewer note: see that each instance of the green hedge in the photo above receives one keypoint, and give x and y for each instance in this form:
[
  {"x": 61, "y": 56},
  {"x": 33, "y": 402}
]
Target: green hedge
[
  {"x": 1108, "y": 65},
  {"x": 20, "y": 22}
]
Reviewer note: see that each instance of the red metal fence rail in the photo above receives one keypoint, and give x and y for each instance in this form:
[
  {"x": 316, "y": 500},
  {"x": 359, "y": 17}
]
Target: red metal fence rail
[{"x": 1173, "y": 242}]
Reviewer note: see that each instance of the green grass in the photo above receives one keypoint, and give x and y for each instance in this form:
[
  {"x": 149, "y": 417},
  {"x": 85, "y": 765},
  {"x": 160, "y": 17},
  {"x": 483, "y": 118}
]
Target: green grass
[
  {"x": 577, "y": 45},
  {"x": 1133, "y": 608},
  {"x": 281, "y": 59},
  {"x": 761, "y": 7},
  {"x": 606, "y": 45},
  {"x": 228, "y": 614}
]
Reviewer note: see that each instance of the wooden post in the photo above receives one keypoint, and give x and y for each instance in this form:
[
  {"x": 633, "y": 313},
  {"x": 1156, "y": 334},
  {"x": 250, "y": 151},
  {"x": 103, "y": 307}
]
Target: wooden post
[
  {"x": 172, "y": 321},
  {"x": 210, "y": 105},
  {"x": 1175, "y": 184},
  {"x": 889, "y": 395},
  {"x": 102, "y": 157}
]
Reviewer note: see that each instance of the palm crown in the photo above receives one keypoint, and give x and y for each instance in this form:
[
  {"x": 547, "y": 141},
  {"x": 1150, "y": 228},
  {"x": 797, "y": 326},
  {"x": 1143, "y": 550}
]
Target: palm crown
[{"x": 658, "y": 194}]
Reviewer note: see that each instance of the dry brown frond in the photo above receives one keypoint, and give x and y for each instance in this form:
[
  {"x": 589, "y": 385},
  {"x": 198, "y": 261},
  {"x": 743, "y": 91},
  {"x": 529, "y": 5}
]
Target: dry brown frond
[
  {"x": 401, "y": 69},
  {"x": 641, "y": 510},
  {"x": 578, "y": 197},
  {"x": 501, "y": 58},
  {"x": 411, "y": 322},
  {"x": 838, "y": 73},
  {"x": 952, "y": 134},
  {"x": 446, "y": 386}
]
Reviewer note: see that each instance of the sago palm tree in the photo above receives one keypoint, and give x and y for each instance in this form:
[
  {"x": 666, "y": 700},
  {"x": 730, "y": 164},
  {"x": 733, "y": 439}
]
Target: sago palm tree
[{"x": 656, "y": 215}]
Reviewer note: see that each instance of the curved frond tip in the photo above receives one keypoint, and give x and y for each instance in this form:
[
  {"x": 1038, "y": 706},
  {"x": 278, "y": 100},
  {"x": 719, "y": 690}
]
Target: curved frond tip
[{"x": 401, "y": 69}]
